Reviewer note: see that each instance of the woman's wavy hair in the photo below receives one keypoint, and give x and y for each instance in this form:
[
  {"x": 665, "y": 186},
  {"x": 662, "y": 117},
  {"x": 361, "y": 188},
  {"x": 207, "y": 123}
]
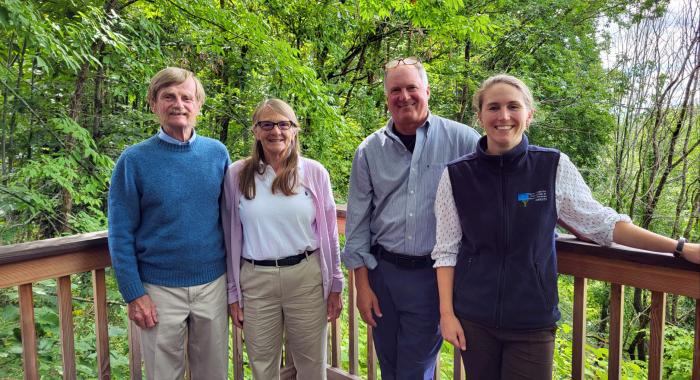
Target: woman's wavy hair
[{"x": 288, "y": 178}]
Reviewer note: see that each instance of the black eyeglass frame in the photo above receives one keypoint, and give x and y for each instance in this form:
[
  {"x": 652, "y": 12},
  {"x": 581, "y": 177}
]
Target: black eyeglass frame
[{"x": 278, "y": 124}]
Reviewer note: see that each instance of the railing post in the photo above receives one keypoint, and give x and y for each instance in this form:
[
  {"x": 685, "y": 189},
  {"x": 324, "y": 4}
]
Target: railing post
[
  {"x": 617, "y": 312},
  {"x": 656, "y": 340},
  {"x": 335, "y": 343},
  {"x": 26, "y": 318},
  {"x": 237, "y": 353},
  {"x": 99, "y": 290},
  {"x": 65, "y": 317},
  {"x": 578, "y": 360},
  {"x": 371, "y": 356},
  {"x": 134, "y": 341},
  {"x": 352, "y": 322}
]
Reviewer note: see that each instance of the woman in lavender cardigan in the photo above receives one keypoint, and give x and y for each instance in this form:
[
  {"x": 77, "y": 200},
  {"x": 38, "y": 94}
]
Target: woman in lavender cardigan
[{"x": 281, "y": 236}]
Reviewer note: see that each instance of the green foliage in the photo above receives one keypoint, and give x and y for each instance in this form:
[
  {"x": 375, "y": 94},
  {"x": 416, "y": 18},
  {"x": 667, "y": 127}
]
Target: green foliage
[
  {"x": 31, "y": 194},
  {"x": 73, "y": 79},
  {"x": 324, "y": 58}
]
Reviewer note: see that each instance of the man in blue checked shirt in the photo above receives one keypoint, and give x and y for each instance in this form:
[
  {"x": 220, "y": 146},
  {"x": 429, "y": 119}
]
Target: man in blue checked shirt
[{"x": 390, "y": 226}]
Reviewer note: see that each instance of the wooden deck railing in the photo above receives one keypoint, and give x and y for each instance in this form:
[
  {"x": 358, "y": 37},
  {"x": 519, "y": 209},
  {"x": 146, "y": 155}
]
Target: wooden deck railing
[{"x": 22, "y": 265}]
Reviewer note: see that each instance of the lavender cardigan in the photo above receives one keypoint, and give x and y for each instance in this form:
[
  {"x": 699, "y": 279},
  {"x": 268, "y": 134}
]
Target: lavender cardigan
[{"x": 316, "y": 180}]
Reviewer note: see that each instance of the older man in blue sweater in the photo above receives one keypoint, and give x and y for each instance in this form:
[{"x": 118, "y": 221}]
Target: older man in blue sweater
[{"x": 165, "y": 236}]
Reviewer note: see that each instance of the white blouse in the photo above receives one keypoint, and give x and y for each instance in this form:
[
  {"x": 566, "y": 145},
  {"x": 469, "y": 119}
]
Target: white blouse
[
  {"x": 276, "y": 226},
  {"x": 574, "y": 202}
]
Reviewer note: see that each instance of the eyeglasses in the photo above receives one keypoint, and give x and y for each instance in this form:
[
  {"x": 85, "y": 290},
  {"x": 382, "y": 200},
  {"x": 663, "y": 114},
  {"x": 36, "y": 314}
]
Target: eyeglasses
[
  {"x": 269, "y": 125},
  {"x": 397, "y": 62}
]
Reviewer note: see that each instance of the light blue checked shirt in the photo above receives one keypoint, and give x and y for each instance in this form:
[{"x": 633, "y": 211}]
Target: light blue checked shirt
[{"x": 392, "y": 192}]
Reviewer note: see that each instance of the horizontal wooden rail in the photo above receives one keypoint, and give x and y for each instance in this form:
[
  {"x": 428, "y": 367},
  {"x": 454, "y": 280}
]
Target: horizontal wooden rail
[{"x": 21, "y": 265}]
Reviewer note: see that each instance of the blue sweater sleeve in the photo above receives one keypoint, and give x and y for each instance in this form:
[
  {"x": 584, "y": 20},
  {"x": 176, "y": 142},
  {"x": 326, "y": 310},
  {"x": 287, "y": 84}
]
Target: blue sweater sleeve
[{"x": 124, "y": 218}]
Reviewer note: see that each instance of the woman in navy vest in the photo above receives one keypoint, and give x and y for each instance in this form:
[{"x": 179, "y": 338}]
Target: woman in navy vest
[{"x": 496, "y": 212}]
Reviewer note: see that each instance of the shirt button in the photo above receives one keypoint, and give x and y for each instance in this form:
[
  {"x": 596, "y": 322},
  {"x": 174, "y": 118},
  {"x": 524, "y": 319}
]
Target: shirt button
[
  {"x": 410, "y": 237},
  {"x": 410, "y": 214},
  {"x": 411, "y": 191}
]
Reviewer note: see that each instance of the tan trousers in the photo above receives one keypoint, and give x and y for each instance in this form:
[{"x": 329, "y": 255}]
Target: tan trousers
[
  {"x": 197, "y": 315},
  {"x": 289, "y": 300}
]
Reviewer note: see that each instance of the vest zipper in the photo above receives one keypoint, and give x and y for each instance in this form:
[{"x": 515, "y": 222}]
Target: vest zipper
[{"x": 504, "y": 245}]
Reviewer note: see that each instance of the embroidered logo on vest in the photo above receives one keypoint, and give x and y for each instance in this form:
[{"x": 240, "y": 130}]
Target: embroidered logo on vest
[{"x": 537, "y": 196}]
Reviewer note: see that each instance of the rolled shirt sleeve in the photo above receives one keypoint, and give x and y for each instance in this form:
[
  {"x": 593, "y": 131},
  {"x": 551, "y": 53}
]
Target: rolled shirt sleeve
[
  {"x": 357, "y": 228},
  {"x": 577, "y": 208},
  {"x": 448, "y": 231}
]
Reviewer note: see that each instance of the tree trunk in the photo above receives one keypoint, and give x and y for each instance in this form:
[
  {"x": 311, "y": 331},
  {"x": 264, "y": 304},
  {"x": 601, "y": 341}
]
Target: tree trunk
[
  {"x": 3, "y": 119},
  {"x": 637, "y": 349},
  {"x": 30, "y": 136},
  {"x": 694, "y": 216},
  {"x": 16, "y": 106},
  {"x": 464, "y": 98},
  {"x": 98, "y": 101},
  {"x": 74, "y": 113}
]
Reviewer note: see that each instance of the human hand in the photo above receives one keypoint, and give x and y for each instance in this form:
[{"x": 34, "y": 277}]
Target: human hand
[
  {"x": 335, "y": 306},
  {"x": 452, "y": 331},
  {"x": 368, "y": 305},
  {"x": 143, "y": 312},
  {"x": 691, "y": 252},
  {"x": 236, "y": 314}
]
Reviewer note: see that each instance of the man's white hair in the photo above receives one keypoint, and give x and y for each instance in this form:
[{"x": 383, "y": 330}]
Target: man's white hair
[{"x": 421, "y": 73}]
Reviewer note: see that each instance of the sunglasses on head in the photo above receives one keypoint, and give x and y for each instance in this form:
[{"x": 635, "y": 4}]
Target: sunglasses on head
[{"x": 401, "y": 61}]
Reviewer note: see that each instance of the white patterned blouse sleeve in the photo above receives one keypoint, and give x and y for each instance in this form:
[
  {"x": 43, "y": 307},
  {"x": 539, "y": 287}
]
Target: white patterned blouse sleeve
[
  {"x": 448, "y": 231},
  {"x": 577, "y": 208}
]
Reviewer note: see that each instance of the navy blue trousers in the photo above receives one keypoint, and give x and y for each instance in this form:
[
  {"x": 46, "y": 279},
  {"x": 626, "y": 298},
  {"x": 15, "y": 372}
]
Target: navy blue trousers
[{"x": 407, "y": 338}]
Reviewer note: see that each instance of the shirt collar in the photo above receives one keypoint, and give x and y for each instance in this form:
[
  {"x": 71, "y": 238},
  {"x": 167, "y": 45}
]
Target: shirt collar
[
  {"x": 169, "y": 139},
  {"x": 389, "y": 128},
  {"x": 269, "y": 172}
]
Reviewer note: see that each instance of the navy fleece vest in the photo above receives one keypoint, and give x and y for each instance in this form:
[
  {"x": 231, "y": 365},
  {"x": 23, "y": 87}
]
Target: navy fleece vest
[{"x": 506, "y": 272}]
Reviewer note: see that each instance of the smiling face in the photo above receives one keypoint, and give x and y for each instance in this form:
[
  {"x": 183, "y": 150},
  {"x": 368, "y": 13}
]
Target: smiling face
[
  {"x": 407, "y": 98},
  {"x": 275, "y": 142},
  {"x": 504, "y": 116},
  {"x": 177, "y": 109}
]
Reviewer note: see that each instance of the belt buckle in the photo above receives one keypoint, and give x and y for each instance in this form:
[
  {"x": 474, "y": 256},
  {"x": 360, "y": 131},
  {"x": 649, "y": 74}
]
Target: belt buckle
[
  {"x": 413, "y": 263},
  {"x": 405, "y": 262}
]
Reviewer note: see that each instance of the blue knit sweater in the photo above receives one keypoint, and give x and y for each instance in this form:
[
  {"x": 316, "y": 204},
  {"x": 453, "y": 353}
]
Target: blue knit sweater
[{"x": 164, "y": 221}]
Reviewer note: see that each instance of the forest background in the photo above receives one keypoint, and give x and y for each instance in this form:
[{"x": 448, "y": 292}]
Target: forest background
[{"x": 616, "y": 84}]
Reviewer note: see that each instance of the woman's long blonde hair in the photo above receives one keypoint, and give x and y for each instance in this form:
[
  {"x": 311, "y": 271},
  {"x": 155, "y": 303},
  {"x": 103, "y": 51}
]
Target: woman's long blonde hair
[{"x": 288, "y": 178}]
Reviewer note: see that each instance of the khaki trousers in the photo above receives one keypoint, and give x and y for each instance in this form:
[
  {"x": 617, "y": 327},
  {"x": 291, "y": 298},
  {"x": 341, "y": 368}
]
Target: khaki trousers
[
  {"x": 197, "y": 315},
  {"x": 289, "y": 300}
]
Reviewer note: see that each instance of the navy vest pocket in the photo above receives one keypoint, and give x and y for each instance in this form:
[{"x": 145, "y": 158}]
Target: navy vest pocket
[{"x": 464, "y": 263}]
